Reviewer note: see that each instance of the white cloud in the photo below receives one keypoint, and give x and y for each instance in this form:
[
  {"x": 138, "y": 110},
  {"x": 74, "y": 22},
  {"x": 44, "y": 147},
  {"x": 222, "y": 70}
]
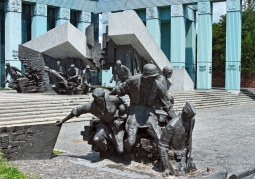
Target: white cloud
[{"x": 218, "y": 10}]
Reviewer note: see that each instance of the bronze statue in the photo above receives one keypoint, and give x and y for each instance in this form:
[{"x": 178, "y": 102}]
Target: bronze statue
[
  {"x": 144, "y": 91},
  {"x": 14, "y": 75},
  {"x": 86, "y": 79},
  {"x": 61, "y": 83},
  {"x": 121, "y": 73},
  {"x": 61, "y": 69},
  {"x": 175, "y": 144},
  {"x": 111, "y": 113},
  {"x": 73, "y": 74},
  {"x": 167, "y": 74}
]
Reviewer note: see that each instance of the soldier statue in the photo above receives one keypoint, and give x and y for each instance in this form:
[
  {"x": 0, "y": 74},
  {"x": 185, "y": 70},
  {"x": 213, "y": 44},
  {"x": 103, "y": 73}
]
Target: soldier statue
[
  {"x": 14, "y": 75},
  {"x": 167, "y": 74},
  {"x": 109, "y": 109},
  {"x": 175, "y": 143},
  {"x": 73, "y": 74},
  {"x": 60, "y": 69},
  {"x": 144, "y": 91},
  {"x": 121, "y": 73},
  {"x": 86, "y": 79}
]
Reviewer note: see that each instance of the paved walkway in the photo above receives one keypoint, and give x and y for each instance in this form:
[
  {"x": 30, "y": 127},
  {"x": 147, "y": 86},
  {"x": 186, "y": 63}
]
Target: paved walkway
[{"x": 223, "y": 138}]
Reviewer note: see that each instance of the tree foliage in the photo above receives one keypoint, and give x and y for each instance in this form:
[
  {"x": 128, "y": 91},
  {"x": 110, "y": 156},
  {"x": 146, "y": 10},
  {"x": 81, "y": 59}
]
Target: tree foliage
[{"x": 248, "y": 43}]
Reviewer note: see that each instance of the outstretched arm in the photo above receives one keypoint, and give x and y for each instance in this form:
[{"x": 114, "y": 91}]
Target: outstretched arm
[{"x": 86, "y": 108}]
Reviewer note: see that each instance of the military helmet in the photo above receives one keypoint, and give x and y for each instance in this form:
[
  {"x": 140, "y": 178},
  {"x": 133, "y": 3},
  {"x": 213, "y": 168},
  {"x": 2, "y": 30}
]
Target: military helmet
[
  {"x": 87, "y": 66},
  {"x": 150, "y": 70},
  {"x": 189, "y": 109}
]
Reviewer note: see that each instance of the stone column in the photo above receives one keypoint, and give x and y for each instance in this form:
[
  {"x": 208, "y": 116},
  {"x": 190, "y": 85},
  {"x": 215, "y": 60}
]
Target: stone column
[
  {"x": 190, "y": 63},
  {"x": 83, "y": 21},
  {"x": 233, "y": 45},
  {"x": 39, "y": 20},
  {"x": 13, "y": 10},
  {"x": 153, "y": 23},
  {"x": 178, "y": 36},
  {"x": 106, "y": 74},
  {"x": 62, "y": 16},
  {"x": 204, "y": 47},
  {"x": 105, "y": 21}
]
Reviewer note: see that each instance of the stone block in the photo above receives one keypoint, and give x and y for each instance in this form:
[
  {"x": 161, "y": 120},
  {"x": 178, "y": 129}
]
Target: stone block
[
  {"x": 126, "y": 28},
  {"x": 38, "y": 145},
  {"x": 4, "y": 145},
  {"x": 21, "y": 137},
  {"x": 3, "y": 130},
  {"x": 219, "y": 175},
  {"x": 4, "y": 138},
  {"x": 243, "y": 174},
  {"x": 14, "y": 144},
  {"x": 181, "y": 80},
  {"x": 60, "y": 42}
]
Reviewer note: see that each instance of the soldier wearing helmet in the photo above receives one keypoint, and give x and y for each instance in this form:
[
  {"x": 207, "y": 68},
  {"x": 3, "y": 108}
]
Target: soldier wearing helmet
[
  {"x": 144, "y": 91},
  {"x": 176, "y": 143},
  {"x": 121, "y": 73}
]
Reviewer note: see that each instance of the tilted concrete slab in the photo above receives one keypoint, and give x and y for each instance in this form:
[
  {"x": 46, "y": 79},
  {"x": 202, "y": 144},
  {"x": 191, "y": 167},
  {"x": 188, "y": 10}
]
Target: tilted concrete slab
[
  {"x": 126, "y": 28},
  {"x": 61, "y": 42}
]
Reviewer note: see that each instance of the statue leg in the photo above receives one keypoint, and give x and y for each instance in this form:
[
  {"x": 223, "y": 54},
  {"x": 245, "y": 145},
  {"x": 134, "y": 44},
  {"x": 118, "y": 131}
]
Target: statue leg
[
  {"x": 131, "y": 129},
  {"x": 119, "y": 134},
  {"x": 154, "y": 131},
  {"x": 101, "y": 135}
]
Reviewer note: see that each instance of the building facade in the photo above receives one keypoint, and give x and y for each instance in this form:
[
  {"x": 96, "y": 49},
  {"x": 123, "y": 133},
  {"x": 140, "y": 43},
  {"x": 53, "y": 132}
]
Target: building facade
[{"x": 171, "y": 23}]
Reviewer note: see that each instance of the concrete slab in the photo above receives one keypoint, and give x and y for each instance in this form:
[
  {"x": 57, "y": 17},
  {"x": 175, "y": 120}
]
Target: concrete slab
[
  {"x": 126, "y": 28},
  {"x": 61, "y": 42}
]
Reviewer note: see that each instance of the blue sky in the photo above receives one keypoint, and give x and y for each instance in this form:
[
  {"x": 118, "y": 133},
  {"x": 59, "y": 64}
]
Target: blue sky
[{"x": 218, "y": 10}]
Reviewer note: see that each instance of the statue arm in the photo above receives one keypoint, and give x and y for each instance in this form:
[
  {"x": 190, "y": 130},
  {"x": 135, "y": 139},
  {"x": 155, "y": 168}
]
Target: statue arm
[
  {"x": 77, "y": 111},
  {"x": 127, "y": 71}
]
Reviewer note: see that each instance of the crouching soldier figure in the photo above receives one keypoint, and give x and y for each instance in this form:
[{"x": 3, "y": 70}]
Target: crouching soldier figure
[
  {"x": 112, "y": 114},
  {"x": 175, "y": 143}
]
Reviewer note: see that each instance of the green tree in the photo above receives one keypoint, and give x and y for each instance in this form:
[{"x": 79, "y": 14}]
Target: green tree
[
  {"x": 247, "y": 46},
  {"x": 219, "y": 45}
]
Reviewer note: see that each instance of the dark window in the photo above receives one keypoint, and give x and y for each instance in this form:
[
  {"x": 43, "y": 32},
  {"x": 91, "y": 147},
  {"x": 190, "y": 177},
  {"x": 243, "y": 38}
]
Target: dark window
[
  {"x": 95, "y": 21},
  {"x": 73, "y": 18},
  {"x": 50, "y": 18},
  {"x": 26, "y": 23}
]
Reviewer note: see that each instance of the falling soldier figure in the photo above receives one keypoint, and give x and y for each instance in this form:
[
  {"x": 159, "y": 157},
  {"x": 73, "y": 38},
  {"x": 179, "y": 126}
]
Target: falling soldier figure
[
  {"x": 12, "y": 71},
  {"x": 175, "y": 144},
  {"x": 111, "y": 112},
  {"x": 121, "y": 73}
]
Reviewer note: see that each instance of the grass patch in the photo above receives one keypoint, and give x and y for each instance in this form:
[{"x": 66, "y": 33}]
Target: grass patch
[
  {"x": 11, "y": 172},
  {"x": 57, "y": 152},
  {"x": 6, "y": 89}
]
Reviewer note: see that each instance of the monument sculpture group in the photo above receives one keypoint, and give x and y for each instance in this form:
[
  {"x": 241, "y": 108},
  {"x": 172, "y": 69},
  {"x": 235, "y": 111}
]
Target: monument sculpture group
[{"x": 139, "y": 131}]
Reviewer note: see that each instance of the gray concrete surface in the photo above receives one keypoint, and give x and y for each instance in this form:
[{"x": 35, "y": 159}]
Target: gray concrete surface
[{"x": 223, "y": 138}]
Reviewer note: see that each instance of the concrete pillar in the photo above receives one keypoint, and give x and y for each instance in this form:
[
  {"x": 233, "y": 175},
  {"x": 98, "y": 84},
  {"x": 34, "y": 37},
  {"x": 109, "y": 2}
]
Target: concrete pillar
[
  {"x": 190, "y": 63},
  {"x": 178, "y": 36},
  {"x": 153, "y": 23},
  {"x": 204, "y": 47},
  {"x": 233, "y": 45},
  {"x": 39, "y": 20},
  {"x": 62, "y": 16},
  {"x": 105, "y": 21},
  {"x": 83, "y": 21},
  {"x": 106, "y": 74},
  {"x": 12, "y": 31}
]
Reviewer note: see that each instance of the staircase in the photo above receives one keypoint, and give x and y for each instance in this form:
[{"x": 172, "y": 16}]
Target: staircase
[
  {"x": 19, "y": 109},
  {"x": 250, "y": 92}
]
